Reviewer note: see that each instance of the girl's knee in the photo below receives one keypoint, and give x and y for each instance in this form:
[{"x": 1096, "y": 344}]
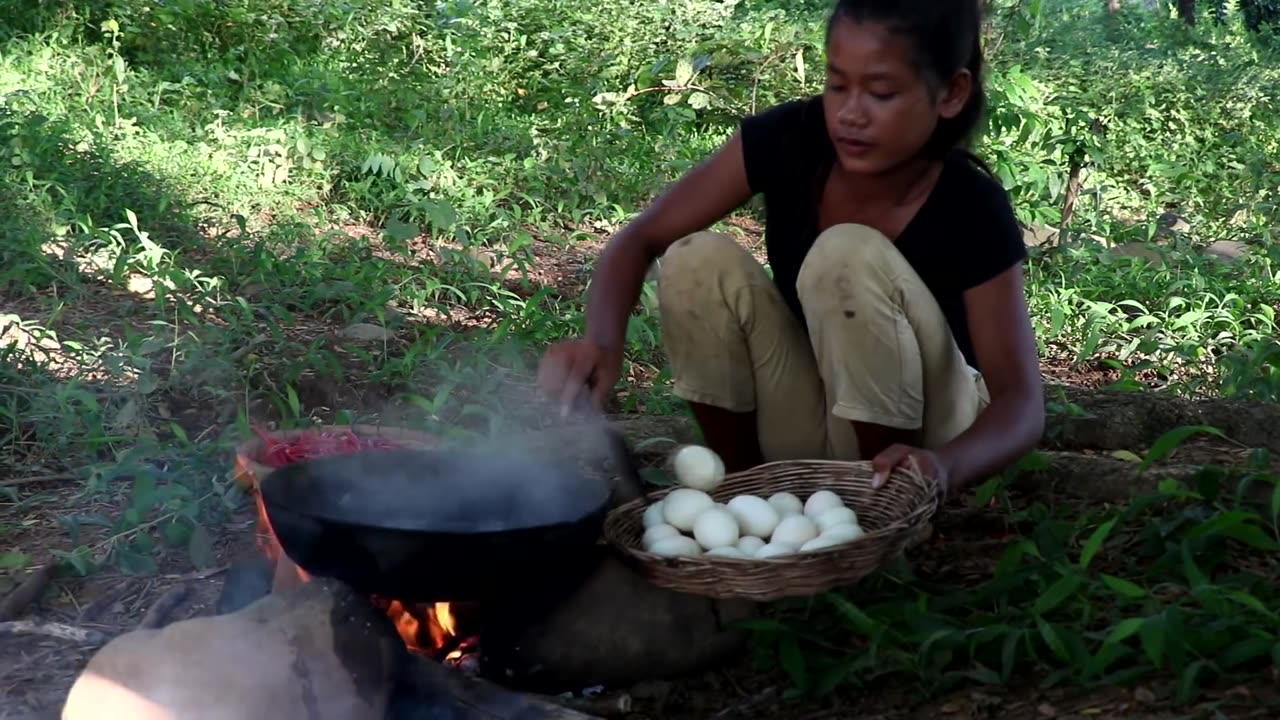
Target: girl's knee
[{"x": 844, "y": 258}]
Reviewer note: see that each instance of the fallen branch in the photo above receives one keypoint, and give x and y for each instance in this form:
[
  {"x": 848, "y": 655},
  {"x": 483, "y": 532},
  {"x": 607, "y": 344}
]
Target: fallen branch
[
  {"x": 26, "y": 593},
  {"x": 54, "y": 630},
  {"x": 158, "y": 615},
  {"x": 58, "y": 477}
]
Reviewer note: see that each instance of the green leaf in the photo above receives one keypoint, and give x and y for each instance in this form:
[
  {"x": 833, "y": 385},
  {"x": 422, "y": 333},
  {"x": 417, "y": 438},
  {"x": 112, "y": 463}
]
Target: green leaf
[
  {"x": 1275, "y": 508},
  {"x": 401, "y": 231},
  {"x": 14, "y": 560},
  {"x": 175, "y": 533},
  {"x": 1009, "y": 655},
  {"x": 1195, "y": 576},
  {"x": 134, "y": 563},
  {"x": 1057, "y": 593},
  {"x": 1246, "y": 650},
  {"x": 1153, "y": 639},
  {"x": 1124, "y": 629},
  {"x": 1053, "y": 640},
  {"x": 859, "y": 620},
  {"x": 684, "y": 71},
  {"x": 1095, "y": 541},
  {"x": 792, "y": 661},
  {"x": 1124, "y": 587},
  {"x": 200, "y": 547},
  {"x": 699, "y": 101},
  {"x": 1188, "y": 685},
  {"x": 1167, "y": 443}
]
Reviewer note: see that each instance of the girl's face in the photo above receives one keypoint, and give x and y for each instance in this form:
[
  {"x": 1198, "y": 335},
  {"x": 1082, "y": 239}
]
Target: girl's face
[{"x": 879, "y": 110}]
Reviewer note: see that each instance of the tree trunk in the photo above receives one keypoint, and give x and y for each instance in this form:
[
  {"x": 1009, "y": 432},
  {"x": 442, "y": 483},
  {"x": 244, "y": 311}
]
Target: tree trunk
[{"x": 1187, "y": 11}]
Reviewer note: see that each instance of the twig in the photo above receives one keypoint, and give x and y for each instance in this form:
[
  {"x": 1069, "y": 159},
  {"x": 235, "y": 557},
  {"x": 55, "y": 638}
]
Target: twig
[
  {"x": 159, "y": 613},
  {"x": 55, "y": 630},
  {"x": 199, "y": 574},
  {"x": 740, "y": 707},
  {"x": 59, "y": 477},
  {"x": 27, "y": 592}
]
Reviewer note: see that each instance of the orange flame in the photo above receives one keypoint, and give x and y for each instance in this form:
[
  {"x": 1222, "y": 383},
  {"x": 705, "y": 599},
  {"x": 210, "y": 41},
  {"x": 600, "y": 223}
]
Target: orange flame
[{"x": 441, "y": 623}]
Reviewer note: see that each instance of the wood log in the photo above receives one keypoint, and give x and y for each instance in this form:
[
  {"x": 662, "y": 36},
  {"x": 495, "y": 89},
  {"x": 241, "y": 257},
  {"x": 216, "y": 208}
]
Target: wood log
[
  {"x": 54, "y": 630},
  {"x": 158, "y": 615},
  {"x": 615, "y": 630},
  {"x": 28, "y": 592},
  {"x": 427, "y": 690}
]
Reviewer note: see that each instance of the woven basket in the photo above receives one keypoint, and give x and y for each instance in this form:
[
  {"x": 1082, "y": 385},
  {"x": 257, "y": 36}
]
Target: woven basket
[
  {"x": 893, "y": 516},
  {"x": 249, "y": 472}
]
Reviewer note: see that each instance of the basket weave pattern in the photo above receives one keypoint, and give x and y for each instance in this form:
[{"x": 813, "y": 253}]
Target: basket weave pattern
[{"x": 892, "y": 516}]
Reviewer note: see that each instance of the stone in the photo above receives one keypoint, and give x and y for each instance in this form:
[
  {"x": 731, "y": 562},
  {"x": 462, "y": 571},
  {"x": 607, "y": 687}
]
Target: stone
[{"x": 320, "y": 653}]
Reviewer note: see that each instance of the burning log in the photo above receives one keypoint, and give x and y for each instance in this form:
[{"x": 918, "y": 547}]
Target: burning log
[{"x": 319, "y": 651}]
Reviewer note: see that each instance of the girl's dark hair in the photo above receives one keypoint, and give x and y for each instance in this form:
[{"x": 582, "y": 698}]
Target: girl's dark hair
[{"x": 946, "y": 36}]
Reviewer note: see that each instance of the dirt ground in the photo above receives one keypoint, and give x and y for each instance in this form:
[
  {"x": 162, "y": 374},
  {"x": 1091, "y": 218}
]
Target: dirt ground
[
  {"x": 36, "y": 671},
  {"x": 1087, "y": 427}
]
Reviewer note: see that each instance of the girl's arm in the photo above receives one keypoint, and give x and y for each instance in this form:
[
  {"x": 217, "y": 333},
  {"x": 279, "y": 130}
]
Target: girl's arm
[
  {"x": 1005, "y": 345},
  {"x": 700, "y": 198}
]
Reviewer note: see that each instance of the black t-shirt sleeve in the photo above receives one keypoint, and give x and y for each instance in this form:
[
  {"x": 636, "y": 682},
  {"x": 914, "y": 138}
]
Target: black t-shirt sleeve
[
  {"x": 772, "y": 142},
  {"x": 998, "y": 244}
]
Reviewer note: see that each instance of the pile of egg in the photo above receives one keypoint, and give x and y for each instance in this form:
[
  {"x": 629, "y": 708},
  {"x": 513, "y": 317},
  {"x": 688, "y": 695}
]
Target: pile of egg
[{"x": 688, "y": 522}]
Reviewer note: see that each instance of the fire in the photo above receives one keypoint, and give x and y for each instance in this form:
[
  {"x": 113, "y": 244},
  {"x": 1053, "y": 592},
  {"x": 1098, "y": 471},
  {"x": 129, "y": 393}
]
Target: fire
[{"x": 439, "y": 620}]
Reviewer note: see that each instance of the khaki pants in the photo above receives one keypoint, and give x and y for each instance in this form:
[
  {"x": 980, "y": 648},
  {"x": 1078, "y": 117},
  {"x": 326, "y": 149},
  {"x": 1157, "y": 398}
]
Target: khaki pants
[{"x": 878, "y": 351}]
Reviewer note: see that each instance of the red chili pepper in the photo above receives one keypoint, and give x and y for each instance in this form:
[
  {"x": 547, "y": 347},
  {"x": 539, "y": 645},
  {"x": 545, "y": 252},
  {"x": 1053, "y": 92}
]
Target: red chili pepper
[{"x": 277, "y": 452}]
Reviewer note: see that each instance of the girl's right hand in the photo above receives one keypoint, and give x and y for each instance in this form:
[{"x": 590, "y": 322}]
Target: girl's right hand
[{"x": 574, "y": 371}]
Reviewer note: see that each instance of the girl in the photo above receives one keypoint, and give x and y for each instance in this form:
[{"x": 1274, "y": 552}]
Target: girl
[{"x": 895, "y": 324}]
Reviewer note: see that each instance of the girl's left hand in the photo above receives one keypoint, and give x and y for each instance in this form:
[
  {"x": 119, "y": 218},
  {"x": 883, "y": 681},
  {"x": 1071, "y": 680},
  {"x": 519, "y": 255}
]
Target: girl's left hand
[{"x": 899, "y": 455}]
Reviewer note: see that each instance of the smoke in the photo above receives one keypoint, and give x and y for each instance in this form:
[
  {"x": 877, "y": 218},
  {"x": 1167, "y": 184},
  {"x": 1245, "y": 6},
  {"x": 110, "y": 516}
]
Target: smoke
[{"x": 508, "y": 459}]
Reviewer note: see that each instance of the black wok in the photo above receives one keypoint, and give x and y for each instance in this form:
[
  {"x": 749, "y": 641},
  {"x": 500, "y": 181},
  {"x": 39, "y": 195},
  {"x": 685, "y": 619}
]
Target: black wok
[{"x": 440, "y": 525}]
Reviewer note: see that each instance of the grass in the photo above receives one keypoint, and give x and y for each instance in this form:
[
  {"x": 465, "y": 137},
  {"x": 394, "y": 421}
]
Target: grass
[{"x": 296, "y": 211}]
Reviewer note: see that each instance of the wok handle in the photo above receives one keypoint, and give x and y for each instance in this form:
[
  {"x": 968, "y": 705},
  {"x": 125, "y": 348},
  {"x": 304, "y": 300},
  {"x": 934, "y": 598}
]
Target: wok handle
[
  {"x": 623, "y": 456},
  {"x": 625, "y": 460}
]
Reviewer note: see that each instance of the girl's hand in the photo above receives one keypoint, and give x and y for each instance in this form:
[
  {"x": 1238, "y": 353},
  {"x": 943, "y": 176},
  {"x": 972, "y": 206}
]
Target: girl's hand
[
  {"x": 928, "y": 462},
  {"x": 570, "y": 370}
]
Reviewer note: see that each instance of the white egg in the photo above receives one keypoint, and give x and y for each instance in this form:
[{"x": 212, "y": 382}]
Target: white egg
[
  {"x": 656, "y": 533},
  {"x": 835, "y": 516},
  {"x": 773, "y": 550},
  {"x": 821, "y": 542},
  {"x": 794, "y": 530},
  {"x": 820, "y": 502},
  {"x": 653, "y": 515},
  {"x": 726, "y": 551},
  {"x": 844, "y": 532},
  {"x": 683, "y": 505},
  {"x": 715, "y": 527},
  {"x": 786, "y": 504},
  {"x": 698, "y": 467},
  {"x": 750, "y": 545},
  {"x": 754, "y": 515},
  {"x": 678, "y": 546}
]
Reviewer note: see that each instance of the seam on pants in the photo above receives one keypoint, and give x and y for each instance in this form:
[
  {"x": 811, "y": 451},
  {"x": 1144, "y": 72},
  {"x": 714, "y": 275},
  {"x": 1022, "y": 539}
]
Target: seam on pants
[
  {"x": 684, "y": 392},
  {"x": 855, "y": 413}
]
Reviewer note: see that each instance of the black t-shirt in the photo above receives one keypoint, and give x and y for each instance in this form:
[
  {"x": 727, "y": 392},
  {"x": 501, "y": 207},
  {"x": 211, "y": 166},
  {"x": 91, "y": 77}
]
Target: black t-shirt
[{"x": 964, "y": 234}]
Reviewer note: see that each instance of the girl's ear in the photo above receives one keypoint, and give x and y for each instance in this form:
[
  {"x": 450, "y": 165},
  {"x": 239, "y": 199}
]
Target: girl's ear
[{"x": 955, "y": 94}]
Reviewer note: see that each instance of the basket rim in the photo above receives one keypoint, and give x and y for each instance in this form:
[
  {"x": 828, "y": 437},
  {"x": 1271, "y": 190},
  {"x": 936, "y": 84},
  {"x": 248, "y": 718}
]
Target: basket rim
[{"x": 904, "y": 524}]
